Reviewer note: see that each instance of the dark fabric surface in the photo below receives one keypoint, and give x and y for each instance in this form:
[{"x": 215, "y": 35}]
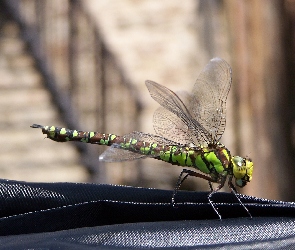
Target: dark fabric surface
[{"x": 82, "y": 216}]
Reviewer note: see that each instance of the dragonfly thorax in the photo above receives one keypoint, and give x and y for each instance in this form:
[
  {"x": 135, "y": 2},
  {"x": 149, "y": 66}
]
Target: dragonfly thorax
[{"x": 242, "y": 170}]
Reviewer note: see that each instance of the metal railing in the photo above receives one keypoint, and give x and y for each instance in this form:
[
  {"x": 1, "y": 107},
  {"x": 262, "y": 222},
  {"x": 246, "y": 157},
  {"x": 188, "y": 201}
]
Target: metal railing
[{"x": 86, "y": 82}]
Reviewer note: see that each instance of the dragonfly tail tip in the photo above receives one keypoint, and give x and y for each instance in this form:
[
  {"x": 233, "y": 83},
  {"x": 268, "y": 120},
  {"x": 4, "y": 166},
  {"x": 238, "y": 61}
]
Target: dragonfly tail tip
[{"x": 36, "y": 126}]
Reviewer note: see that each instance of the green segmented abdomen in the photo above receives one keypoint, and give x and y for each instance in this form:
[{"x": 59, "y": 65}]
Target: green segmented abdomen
[
  {"x": 209, "y": 161},
  {"x": 63, "y": 135}
]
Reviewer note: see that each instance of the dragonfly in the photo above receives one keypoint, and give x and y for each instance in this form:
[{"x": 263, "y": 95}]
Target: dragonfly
[{"x": 188, "y": 132}]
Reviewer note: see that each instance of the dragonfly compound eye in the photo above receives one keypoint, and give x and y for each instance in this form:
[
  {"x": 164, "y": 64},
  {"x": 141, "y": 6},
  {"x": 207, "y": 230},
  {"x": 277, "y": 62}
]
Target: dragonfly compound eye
[{"x": 242, "y": 170}]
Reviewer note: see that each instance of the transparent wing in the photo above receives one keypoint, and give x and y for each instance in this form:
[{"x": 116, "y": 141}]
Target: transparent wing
[
  {"x": 208, "y": 105},
  {"x": 170, "y": 126},
  {"x": 116, "y": 153},
  {"x": 170, "y": 101},
  {"x": 201, "y": 121},
  {"x": 204, "y": 119}
]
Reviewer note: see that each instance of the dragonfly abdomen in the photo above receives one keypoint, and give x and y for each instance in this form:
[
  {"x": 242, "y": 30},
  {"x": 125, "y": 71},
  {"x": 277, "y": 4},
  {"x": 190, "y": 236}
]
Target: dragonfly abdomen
[
  {"x": 125, "y": 143},
  {"x": 63, "y": 135},
  {"x": 207, "y": 160}
]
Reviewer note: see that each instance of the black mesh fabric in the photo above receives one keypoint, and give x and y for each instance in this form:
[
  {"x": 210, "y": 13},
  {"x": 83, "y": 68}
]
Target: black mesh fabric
[{"x": 84, "y": 216}]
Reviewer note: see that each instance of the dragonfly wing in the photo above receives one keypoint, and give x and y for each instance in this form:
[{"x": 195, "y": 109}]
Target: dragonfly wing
[
  {"x": 208, "y": 98},
  {"x": 118, "y": 152},
  {"x": 170, "y": 101},
  {"x": 145, "y": 137},
  {"x": 171, "y": 126}
]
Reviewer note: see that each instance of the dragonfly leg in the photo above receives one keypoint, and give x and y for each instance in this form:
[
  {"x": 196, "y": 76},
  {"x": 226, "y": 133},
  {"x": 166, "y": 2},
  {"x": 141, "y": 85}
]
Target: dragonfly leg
[
  {"x": 193, "y": 173},
  {"x": 180, "y": 180},
  {"x": 234, "y": 191},
  {"x": 210, "y": 185},
  {"x": 213, "y": 191}
]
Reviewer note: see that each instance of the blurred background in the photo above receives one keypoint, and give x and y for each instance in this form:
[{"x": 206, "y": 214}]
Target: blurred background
[{"x": 83, "y": 64}]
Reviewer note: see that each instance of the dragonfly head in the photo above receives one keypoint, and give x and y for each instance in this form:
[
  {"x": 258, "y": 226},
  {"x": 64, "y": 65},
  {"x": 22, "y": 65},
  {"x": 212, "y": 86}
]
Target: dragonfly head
[{"x": 242, "y": 170}]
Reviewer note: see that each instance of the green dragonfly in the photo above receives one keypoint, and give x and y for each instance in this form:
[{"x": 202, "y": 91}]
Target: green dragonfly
[{"x": 188, "y": 132}]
